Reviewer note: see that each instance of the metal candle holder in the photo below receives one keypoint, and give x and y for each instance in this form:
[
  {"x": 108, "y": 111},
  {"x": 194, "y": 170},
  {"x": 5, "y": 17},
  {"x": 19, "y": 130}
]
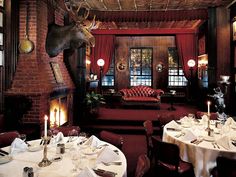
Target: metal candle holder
[
  {"x": 45, "y": 162},
  {"x": 208, "y": 129}
]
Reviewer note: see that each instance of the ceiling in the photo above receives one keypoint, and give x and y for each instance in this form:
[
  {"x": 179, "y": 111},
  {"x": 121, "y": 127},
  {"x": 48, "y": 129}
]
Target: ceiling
[
  {"x": 123, "y": 14},
  {"x": 153, "y": 5}
]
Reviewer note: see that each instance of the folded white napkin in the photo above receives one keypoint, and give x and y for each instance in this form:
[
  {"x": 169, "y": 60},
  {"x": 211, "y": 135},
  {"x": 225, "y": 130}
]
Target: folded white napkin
[
  {"x": 229, "y": 121},
  {"x": 184, "y": 119},
  {"x": 225, "y": 129},
  {"x": 224, "y": 142},
  {"x": 107, "y": 155},
  {"x": 204, "y": 118},
  {"x": 173, "y": 124},
  {"x": 87, "y": 172},
  {"x": 188, "y": 135},
  {"x": 93, "y": 141},
  {"x": 18, "y": 145},
  {"x": 59, "y": 137}
]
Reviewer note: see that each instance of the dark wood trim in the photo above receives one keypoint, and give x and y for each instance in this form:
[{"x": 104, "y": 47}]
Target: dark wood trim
[
  {"x": 172, "y": 31},
  {"x": 212, "y": 47}
]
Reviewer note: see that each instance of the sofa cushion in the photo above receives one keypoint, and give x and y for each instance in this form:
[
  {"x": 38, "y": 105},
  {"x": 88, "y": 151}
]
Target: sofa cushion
[{"x": 141, "y": 99}]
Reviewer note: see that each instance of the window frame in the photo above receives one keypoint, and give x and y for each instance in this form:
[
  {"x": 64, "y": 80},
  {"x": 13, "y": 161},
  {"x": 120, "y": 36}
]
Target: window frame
[
  {"x": 151, "y": 67},
  {"x": 113, "y": 67},
  {"x": 178, "y": 75}
]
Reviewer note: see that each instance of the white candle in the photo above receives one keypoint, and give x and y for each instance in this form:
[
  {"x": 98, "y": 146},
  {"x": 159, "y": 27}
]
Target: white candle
[
  {"x": 208, "y": 107},
  {"x": 45, "y": 125}
]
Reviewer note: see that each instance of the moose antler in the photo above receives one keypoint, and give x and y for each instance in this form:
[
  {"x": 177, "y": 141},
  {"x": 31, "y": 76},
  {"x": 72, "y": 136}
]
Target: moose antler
[{"x": 79, "y": 12}]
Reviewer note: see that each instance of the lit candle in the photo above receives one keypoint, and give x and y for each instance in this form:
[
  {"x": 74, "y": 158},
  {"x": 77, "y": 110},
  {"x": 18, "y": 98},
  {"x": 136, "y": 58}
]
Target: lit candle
[
  {"x": 208, "y": 107},
  {"x": 45, "y": 126}
]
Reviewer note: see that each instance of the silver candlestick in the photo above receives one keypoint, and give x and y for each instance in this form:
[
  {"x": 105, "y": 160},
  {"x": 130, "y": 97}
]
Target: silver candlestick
[
  {"x": 45, "y": 162},
  {"x": 208, "y": 129}
]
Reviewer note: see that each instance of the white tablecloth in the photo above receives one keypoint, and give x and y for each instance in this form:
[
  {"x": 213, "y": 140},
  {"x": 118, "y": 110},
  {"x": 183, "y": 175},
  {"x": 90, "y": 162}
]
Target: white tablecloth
[
  {"x": 202, "y": 156},
  {"x": 62, "y": 168}
]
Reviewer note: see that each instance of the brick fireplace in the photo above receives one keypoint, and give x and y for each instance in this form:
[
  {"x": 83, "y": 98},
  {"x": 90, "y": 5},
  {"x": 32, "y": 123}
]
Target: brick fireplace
[{"x": 35, "y": 80}]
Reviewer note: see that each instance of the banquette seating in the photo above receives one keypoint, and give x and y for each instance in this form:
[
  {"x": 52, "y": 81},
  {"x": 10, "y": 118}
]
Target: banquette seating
[
  {"x": 113, "y": 138},
  {"x": 6, "y": 138},
  {"x": 213, "y": 115},
  {"x": 141, "y": 95}
]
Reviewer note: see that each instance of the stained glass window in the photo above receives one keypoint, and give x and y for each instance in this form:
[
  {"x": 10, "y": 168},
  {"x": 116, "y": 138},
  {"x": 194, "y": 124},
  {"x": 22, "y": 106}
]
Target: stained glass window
[
  {"x": 175, "y": 74},
  {"x": 141, "y": 66}
]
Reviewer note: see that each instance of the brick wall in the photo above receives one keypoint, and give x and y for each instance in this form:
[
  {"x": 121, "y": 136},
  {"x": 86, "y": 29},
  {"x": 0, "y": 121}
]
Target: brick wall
[{"x": 34, "y": 76}]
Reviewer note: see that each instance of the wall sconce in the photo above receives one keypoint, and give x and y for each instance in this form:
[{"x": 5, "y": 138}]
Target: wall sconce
[
  {"x": 100, "y": 63},
  {"x": 160, "y": 67}
]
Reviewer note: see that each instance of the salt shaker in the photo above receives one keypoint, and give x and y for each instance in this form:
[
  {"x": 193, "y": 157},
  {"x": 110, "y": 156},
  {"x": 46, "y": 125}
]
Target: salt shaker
[{"x": 60, "y": 148}]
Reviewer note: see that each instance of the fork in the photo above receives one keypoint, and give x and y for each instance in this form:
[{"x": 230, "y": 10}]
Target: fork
[
  {"x": 213, "y": 144},
  {"x": 112, "y": 163},
  {"x": 216, "y": 145}
]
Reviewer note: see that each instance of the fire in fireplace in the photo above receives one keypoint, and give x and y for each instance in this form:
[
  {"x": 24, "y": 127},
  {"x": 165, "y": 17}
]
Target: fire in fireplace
[{"x": 58, "y": 111}]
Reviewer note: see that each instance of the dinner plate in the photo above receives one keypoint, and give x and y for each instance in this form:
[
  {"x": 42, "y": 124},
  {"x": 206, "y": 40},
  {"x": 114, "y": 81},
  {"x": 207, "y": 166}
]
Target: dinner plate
[
  {"x": 34, "y": 148},
  {"x": 209, "y": 138},
  {"x": 48, "y": 173},
  {"x": 90, "y": 151},
  {"x": 186, "y": 125},
  {"x": 5, "y": 159}
]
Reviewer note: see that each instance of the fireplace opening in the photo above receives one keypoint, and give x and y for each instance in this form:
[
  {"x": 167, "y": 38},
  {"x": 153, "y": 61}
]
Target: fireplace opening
[{"x": 59, "y": 111}]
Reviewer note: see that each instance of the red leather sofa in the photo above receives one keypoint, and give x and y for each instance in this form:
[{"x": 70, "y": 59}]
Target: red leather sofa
[{"x": 141, "y": 95}]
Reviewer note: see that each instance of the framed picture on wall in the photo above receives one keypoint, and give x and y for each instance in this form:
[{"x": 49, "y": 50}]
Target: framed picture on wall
[{"x": 57, "y": 72}]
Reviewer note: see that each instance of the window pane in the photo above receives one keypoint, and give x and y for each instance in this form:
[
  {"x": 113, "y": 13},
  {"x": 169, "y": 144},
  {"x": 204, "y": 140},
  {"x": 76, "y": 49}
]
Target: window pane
[
  {"x": 108, "y": 79},
  {"x": 1, "y": 39},
  {"x": 141, "y": 66},
  {"x": 1, "y": 3},
  {"x": 1, "y": 58},
  {"x": 1, "y": 19},
  {"x": 176, "y": 75}
]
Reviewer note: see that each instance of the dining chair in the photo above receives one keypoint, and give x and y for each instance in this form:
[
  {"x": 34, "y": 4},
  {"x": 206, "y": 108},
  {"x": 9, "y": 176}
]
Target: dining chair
[
  {"x": 148, "y": 126},
  {"x": 168, "y": 161},
  {"x": 213, "y": 115},
  {"x": 225, "y": 167},
  {"x": 113, "y": 138},
  {"x": 143, "y": 165},
  {"x": 6, "y": 138},
  {"x": 65, "y": 129}
]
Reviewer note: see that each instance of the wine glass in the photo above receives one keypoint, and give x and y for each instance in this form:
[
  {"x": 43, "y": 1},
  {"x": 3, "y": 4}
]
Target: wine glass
[
  {"x": 22, "y": 137},
  {"x": 72, "y": 135}
]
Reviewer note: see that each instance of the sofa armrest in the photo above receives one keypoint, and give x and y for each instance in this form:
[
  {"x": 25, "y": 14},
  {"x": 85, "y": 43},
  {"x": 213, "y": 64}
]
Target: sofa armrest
[
  {"x": 124, "y": 92},
  {"x": 159, "y": 92}
]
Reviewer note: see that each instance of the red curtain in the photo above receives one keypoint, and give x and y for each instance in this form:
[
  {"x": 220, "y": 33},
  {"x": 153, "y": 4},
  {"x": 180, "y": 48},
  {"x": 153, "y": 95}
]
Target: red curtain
[
  {"x": 186, "y": 44},
  {"x": 104, "y": 47}
]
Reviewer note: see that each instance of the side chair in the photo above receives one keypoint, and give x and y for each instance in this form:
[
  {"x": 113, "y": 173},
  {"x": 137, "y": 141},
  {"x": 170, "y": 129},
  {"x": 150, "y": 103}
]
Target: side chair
[
  {"x": 6, "y": 138},
  {"x": 168, "y": 161},
  {"x": 225, "y": 167},
  {"x": 113, "y": 138},
  {"x": 65, "y": 129},
  {"x": 148, "y": 127},
  {"x": 143, "y": 165}
]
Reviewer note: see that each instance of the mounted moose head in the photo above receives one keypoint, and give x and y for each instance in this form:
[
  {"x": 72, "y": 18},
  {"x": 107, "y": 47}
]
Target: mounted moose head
[{"x": 73, "y": 35}]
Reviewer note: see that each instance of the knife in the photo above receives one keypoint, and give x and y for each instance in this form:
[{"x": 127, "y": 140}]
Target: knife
[
  {"x": 234, "y": 143},
  {"x": 3, "y": 152},
  {"x": 104, "y": 173},
  {"x": 173, "y": 129}
]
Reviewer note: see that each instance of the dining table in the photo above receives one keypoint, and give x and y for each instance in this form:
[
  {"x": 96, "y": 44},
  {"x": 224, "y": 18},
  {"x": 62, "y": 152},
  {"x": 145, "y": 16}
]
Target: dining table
[
  {"x": 100, "y": 157},
  {"x": 201, "y": 142}
]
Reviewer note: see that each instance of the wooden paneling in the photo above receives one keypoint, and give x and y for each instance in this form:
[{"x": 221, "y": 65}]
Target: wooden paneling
[
  {"x": 159, "y": 44},
  {"x": 223, "y": 41}
]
